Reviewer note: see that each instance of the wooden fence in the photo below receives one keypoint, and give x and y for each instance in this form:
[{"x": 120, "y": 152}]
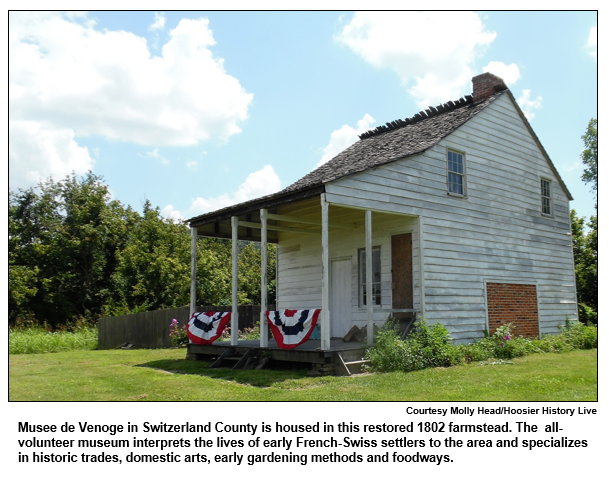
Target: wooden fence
[{"x": 150, "y": 330}]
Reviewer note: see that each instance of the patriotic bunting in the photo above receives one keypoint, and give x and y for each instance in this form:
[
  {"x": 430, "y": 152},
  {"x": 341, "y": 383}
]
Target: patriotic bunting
[
  {"x": 205, "y": 327},
  {"x": 292, "y": 327}
]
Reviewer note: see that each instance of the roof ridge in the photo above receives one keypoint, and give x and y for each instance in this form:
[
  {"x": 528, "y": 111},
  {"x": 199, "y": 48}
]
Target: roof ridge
[{"x": 430, "y": 112}]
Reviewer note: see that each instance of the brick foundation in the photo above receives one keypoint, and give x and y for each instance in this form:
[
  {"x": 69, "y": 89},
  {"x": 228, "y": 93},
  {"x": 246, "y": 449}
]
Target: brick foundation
[{"x": 515, "y": 303}]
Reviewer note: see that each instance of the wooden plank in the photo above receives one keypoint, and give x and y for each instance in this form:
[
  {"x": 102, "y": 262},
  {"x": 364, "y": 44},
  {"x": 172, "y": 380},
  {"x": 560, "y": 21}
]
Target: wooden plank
[
  {"x": 369, "y": 300},
  {"x": 235, "y": 282},
  {"x": 325, "y": 278},
  {"x": 421, "y": 254},
  {"x": 270, "y": 227},
  {"x": 193, "y": 269},
  {"x": 298, "y": 220},
  {"x": 401, "y": 274},
  {"x": 264, "y": 339}
]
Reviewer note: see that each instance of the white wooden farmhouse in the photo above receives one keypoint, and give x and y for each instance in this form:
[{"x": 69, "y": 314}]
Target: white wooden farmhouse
[{"x": 456, "y": 214}]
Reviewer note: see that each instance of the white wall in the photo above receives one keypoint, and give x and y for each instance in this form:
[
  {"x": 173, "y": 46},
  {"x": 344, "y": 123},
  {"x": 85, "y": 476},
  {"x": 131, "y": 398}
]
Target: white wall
[
  {"x": 299, "y": 258},
  {"x": 497, "y": 232}
]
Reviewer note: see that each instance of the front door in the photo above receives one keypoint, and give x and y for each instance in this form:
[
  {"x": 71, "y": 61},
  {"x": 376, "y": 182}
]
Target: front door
[
  {"x": 401, "y": 274},
  {"x": 340, "y": 297}
]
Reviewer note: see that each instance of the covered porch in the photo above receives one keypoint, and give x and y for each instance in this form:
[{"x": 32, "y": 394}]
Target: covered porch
[{"x": 310, "y": 231}]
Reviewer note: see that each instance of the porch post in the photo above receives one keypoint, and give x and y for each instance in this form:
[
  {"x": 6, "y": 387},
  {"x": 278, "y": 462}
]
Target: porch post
[
  {"x": 193, "y": 270},
  {"x": 234, "y": 321},
  {"x": 421, "y": 270},
  {"x": 370, "y": 327},
  {"x": 325, "y": 277},
  {"x": 264, "y": 332}
]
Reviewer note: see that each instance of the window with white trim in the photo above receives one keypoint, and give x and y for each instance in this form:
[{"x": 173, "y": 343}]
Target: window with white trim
[
  {"x": 376, "y": 277},
  {"x": 456, "y": 173},
  {"x": 546, "y": 197}
]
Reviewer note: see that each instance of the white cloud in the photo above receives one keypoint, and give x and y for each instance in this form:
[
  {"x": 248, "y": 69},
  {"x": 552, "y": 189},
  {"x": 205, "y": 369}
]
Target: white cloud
[
  {"x": 107, "y": 83},
  {"x": 257, "y": 184},
  {"x": 153, "y": 154},
  {"x": 508, "y": 73},
  {"x": 436, "y": 50},
  {"x": 344, "y": 137},
  {"x": 192, "y": 164},
  {"x": 592, "y": 41},
  {"x": 528, "y": 105},
  {"x": 37, "y": 151},
  {"x": 156, "y": 155},
  {"x": 169, "y": 212},
  {"x": 572, "y": 167},
  {"x": 159, "y": 21}
]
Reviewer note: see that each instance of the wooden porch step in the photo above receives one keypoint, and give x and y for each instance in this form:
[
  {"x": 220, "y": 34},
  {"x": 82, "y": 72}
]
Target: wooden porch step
[
  {"x": 355, "y": 362},
  {"x": 231, "y": 358},
  {"x": 226, "y": 356}
]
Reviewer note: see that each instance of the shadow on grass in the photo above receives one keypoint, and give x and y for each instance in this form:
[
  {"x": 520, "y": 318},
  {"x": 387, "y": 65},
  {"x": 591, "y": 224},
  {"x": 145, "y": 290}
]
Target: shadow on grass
[{"x": 281, "y": 371}]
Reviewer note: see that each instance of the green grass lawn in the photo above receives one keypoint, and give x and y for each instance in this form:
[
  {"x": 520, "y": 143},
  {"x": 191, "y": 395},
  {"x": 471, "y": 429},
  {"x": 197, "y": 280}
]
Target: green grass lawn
[{"x": 165, "y": 375}]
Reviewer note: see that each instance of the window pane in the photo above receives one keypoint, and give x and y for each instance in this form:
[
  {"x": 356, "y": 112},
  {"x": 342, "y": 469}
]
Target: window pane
[
  {"x": 376, "y": 265},
  {"x": 546, "y": 206},
  {"x": 376, "y": 294},
  {"x": 455, "y": 162},
  {"x": 376, "y": 276},
  {"x": 455, "y": 183}
]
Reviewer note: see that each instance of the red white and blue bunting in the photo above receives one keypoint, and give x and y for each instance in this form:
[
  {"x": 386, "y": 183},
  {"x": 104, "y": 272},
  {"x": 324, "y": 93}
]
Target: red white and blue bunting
[
  {"x": 292, "y": 327},
  {"x": 205, "y": 327}
]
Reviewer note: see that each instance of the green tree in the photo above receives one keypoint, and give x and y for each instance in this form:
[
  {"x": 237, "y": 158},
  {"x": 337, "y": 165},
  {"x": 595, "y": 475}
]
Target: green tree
[
  {"x": 65, "y": 235},
  {"x": 74, "y": 252},
  {"x": 249, "y": 272},
  {"x": 152, "y": 269},
  {"x": 585, "y": 258},
  {"x": 589, "y": 157}
]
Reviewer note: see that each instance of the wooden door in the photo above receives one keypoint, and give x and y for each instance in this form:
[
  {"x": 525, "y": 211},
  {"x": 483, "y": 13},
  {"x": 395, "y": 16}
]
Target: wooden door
[
  {"x": 401, "y": 274},
  {"x": 340, "y": 297}
]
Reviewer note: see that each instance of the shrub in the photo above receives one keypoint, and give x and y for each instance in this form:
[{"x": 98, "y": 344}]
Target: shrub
[
  {"x": 426, "y": 346},
  {"x": 580, "y": 336},
  {"x": 178, "y": 335},
  {"x": 429, "y": 346}
]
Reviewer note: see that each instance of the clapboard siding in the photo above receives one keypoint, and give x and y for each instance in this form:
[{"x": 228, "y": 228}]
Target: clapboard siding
[
  {"x": 342, "y": 244},
  {"x": 497, "y": 232}
]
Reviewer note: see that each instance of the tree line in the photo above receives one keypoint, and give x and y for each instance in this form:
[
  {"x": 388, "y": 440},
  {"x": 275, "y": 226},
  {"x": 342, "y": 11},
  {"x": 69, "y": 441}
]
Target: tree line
[{"x": 74, "y": 252}]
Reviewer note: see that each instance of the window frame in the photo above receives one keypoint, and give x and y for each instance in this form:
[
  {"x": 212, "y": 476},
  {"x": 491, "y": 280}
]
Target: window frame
[
  {"x": 361, "y": 281},
  {"x": 550, "y": 197},
  {"x": 463, "y": 175}
]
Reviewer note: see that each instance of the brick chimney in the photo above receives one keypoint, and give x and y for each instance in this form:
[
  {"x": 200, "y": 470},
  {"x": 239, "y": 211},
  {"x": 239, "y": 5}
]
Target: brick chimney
[{"x": 485, "y": 85}]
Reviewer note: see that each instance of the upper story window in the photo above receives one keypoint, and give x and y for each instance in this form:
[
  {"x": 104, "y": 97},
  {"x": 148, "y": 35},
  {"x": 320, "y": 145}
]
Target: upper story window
[
  {"x": 376, "y": 277},
  {"x": 546, "y": 197},
  {"x": 456, "y": 173}
]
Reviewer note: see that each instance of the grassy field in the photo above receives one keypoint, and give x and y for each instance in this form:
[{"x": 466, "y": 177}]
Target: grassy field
[
  {"x": 157, "y": 375},
  {"x": 36, "y": 340}
]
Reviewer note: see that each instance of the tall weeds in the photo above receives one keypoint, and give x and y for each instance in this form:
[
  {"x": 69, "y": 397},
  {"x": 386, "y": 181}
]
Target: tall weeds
[{"x": 38, "y": 340}]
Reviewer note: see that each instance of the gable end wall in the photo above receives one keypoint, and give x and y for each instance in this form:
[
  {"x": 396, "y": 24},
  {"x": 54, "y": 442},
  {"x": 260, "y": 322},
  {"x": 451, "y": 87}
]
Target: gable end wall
[{"x": 497, "y": 232}]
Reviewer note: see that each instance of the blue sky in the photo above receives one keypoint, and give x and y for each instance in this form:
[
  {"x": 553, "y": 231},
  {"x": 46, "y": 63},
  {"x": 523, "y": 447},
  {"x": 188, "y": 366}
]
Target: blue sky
[{"x": 198, "y": 110}]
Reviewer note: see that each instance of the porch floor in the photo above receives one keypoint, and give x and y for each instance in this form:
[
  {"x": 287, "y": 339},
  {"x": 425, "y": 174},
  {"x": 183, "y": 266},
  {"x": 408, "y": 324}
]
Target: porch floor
[{"x": 309, "y": 352}]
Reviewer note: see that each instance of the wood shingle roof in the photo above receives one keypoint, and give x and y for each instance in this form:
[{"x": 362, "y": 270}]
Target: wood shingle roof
[{"x": 394, "y": 141}]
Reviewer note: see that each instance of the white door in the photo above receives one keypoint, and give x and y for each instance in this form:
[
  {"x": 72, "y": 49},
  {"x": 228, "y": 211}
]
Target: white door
[{"x": 340, "y": 297}]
